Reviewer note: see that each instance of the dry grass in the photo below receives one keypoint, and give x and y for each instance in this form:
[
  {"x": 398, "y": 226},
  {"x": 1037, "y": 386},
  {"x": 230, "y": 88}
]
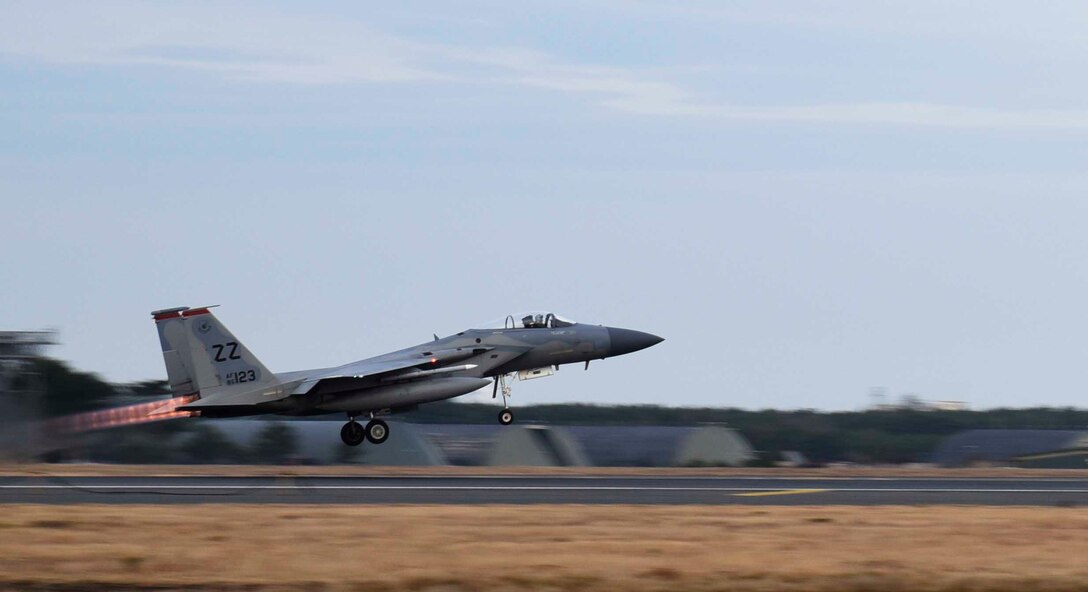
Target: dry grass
[
  {"x": 595, "y": 548},
  {"x": 76, "y": 470}
]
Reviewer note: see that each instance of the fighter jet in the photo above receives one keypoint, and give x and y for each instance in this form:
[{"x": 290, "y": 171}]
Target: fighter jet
[{"x": 206, "y": 363}]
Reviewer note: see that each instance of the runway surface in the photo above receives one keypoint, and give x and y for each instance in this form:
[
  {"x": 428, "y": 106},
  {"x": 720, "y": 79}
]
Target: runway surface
[{"x": 439, "y": 489}]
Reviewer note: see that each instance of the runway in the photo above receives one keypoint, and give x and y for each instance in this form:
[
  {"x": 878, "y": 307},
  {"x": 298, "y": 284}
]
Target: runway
[{"x": 444, "y": 489}]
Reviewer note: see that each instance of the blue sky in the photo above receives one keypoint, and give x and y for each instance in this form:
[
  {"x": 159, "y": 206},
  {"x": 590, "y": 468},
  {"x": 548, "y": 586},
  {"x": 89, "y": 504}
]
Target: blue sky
[{"x": 806, "y": 199}]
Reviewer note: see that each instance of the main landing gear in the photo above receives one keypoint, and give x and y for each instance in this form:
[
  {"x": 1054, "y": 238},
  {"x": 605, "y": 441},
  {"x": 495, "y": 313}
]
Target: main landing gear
[
  {"x": 506, "y": 416},
  {"x": 353, "y": 433},
  {"x": 377, "y": 431}
]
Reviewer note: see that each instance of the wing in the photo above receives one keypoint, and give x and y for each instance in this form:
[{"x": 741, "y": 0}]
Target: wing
[{"x": 365, "y": 369}]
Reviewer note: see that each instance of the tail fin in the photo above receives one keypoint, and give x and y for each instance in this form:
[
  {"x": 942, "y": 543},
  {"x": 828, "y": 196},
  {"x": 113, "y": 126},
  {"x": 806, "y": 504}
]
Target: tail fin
[{"x": 200, "y": 353}]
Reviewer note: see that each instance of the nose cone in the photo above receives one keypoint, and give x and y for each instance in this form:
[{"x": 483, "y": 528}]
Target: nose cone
[{"x": 625, "y": 341}]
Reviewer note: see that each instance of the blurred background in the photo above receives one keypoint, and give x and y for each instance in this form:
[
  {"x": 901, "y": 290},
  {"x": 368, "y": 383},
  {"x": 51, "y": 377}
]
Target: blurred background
[
  {"x": 53, "y": 413},
  {"x": 869, "y": 218}
]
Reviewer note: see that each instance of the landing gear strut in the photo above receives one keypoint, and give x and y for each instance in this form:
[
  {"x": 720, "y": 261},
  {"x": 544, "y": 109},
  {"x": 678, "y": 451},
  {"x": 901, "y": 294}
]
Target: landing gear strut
[{"x": 506, "y": 416}]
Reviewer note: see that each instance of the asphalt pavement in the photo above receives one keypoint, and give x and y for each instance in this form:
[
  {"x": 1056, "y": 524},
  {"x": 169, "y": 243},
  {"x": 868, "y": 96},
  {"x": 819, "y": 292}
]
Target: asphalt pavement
[{"x": 516, "y": 489}]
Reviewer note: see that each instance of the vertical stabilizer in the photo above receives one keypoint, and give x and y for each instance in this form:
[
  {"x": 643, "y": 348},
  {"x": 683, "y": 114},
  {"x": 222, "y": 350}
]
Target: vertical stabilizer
[{"x": 200, "y": 353}]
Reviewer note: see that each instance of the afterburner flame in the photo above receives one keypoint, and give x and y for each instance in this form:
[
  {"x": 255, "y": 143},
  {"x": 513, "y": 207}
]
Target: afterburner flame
[{"x": 127, "y": 415}]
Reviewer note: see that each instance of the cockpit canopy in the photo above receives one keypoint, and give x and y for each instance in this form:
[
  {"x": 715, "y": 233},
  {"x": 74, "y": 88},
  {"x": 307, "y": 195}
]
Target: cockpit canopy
[{"x": 530, "y": 320}]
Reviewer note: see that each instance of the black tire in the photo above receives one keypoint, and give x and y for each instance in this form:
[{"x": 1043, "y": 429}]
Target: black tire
[
  {"x": 506, "y": 417},
  {"x": 352, "y": 433},
  {"x": 377, "y": 431}
]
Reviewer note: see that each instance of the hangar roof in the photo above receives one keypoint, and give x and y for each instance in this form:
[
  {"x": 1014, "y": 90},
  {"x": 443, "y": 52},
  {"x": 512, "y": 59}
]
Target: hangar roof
[{"x": 972, "y": 446}]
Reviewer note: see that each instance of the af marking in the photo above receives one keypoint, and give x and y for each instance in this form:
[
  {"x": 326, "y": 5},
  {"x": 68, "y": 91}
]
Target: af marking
[{"x": 241, "y": 376}]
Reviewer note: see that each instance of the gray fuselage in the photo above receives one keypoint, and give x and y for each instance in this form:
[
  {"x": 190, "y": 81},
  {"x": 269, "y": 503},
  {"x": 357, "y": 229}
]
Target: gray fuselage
[{"x": 450, "y": 367}]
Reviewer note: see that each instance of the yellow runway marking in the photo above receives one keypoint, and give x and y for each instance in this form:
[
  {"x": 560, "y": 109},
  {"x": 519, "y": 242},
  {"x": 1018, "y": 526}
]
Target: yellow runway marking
[{"x": 781, "y": 492}]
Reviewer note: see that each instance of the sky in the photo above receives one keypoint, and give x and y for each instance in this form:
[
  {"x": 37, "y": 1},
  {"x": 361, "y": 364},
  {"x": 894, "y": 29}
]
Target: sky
[{"x": 808, "y": 200}]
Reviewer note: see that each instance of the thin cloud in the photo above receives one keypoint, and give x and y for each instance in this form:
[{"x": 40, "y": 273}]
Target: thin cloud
[
  {"x": 898, "y": 114},
  {"x": 276, "y": 48},
  {"x": 239, "y": 45}
]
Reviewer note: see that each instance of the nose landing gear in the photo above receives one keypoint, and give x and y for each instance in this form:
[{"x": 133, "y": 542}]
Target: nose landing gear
[{"x": 506, "y": 416}]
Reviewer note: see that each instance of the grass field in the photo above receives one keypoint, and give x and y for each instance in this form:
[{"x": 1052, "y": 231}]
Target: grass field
[{"x": 455, "y": 548}]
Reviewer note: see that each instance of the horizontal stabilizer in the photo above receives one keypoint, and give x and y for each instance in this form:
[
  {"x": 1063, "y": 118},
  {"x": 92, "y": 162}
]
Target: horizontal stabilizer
[{"x": 231, "y": 396}]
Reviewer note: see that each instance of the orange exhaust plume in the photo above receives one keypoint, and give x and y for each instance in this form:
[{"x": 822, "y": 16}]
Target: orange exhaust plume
[{"x": 122, "y": 416}]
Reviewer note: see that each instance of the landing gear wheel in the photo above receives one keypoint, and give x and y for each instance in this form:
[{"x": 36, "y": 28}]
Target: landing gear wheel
[
  {"x": 377, "y": 431},
  {"x": 506, "y": 417},
  {"x": 352, "y": 433}
]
